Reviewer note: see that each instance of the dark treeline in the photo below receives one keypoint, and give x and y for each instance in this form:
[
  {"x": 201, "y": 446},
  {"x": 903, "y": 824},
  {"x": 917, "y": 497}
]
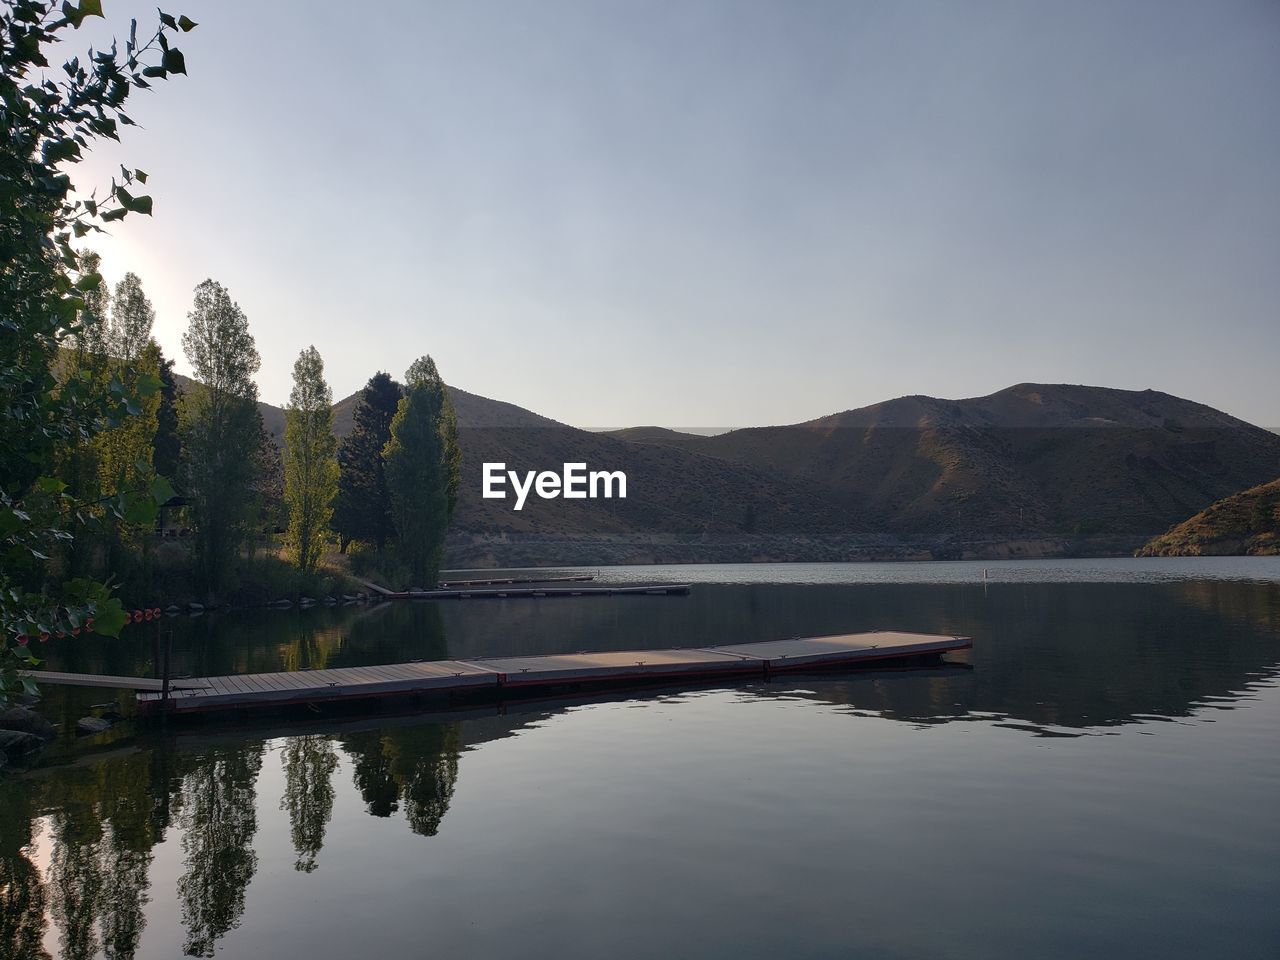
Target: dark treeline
[
  {"x": 248, "y": 519},
  {"x": 103, "y": 454}
]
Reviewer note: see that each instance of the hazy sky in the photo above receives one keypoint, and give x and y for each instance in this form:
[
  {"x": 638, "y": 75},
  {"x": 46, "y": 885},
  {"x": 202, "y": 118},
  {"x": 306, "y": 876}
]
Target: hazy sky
[{"x": 724, "y": 213}]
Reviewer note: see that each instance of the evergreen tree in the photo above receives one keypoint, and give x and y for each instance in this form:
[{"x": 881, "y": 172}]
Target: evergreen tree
[
  {"x": 310, "y": 470},
  {"x": 220, "y": 428},
  {"x": 362, "y": 510},
  {"x": 422, "y": 467},
  {"x": 166, "y": 448},
  {"x": 268, "y": 514}
]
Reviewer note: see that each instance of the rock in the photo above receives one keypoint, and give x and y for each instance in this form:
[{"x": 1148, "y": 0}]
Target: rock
[
  {"x": 16, "y": 743},
  {"x": 87, "y": 726},
  {"x": 172, "y": 610},
  {"x": 27, "y": 721}
]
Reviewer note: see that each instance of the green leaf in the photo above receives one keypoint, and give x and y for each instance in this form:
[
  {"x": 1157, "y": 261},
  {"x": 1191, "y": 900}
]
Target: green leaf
[
  {"x": 186, "y": 24},
  {"x": 117, "y": 214},
  {"x": 161, "y": 491},
  {"x": 174, "y": 62},
  {"x": 168, "y": 21},
  {"x": 90, "y": 8},
  {"x": 109, "y": 617},
  {"x": 141, "y": 175},
  {"x": 148, "y": 385},
  {"x": 55, "y": 151},
  {"x": 140, "y": 510},
  {"x": 50, "y": 485}
]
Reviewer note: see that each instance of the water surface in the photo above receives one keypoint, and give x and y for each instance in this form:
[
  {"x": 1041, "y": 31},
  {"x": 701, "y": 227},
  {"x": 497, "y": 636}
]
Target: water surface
[{"x": 1097, "y": 777}]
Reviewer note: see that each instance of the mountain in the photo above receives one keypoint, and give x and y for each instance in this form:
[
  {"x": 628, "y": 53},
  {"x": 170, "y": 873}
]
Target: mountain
[
  {"x": 1245, "y": 523},
  {"x": 1058, "y": 459},
  {"x": 1032, "y": 470}
]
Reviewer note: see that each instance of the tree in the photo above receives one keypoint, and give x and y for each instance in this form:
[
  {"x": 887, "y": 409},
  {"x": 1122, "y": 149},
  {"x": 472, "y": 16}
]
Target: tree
[
  {"x": 219, "y": 418},
  {"x": 167, "y": 447},
  {"x": 267, "y": 510},
  {"x": 50, "y": 119},
  {"x": 125, "y": 451},
  {"x": 132, "y": 318},
  {"x": 310, "y": 470},
  {"x": 422, "y": 468},
  {"x": 362, "y": 510}
]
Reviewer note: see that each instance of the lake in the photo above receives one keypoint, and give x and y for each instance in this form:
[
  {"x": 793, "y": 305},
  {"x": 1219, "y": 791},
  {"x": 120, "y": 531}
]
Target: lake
[{"x": 1098, "y": 776}]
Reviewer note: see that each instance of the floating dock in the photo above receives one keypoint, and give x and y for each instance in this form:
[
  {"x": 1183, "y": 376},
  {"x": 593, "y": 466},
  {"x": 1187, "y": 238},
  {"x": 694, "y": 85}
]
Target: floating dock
[
  {"x": 489, "y": 677},
  {"x": 518, "y": 590},
  {"x": 510, "y": 581}
]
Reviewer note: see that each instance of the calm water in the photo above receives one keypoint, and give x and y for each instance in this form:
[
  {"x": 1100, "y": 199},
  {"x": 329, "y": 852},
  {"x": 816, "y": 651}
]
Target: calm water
[{"x": 1098, "y": 777}]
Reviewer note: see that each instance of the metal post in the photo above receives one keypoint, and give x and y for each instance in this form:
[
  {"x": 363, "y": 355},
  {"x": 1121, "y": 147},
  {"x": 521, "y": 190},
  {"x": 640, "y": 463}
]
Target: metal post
[{"x": 164, "y": 675}]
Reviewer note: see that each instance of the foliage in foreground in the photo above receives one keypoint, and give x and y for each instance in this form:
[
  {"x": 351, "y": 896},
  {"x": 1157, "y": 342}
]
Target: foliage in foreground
[{"x": 50, "y": 118}]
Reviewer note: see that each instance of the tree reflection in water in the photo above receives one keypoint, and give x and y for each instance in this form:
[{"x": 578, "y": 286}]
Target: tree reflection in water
[
  {"x": 218, "y": 816},
  {"x": 413, "y": 766},
  {"x": 309, "y": 763},
  {"x": 22, "y": 892}
]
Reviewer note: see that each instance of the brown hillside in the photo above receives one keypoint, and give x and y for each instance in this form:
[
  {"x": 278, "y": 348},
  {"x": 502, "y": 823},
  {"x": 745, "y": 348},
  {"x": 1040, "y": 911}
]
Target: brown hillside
[
  {"x": 1246, "y": 523},
  {"x": 1055, "y": 458}
]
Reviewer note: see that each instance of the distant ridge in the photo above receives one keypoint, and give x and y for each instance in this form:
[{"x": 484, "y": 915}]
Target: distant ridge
[{"x": 1034, "y": 469}]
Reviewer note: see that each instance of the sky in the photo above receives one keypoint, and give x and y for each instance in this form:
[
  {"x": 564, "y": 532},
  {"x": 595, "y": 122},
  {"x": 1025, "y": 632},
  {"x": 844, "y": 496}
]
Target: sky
[{"x": 715, "y": 214}]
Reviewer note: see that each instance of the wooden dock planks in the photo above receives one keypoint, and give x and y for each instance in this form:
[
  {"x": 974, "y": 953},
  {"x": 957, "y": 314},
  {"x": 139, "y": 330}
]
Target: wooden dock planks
[
  {"x": 491, "y": 675},
  {"x": 626, "y": 665},
  {"x": 104, "y": 681},
  {"x": 808, "y": 652}
]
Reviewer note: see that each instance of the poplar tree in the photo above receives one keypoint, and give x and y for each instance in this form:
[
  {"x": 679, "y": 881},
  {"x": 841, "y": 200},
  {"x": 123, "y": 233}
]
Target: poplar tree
[
  {"x": 310, "y": 469},
  {"x": 126, "y": 449},
  {"x": 219, "y": 417},
  {"x": 422, "y": 468},
  {"x": 362, "y": 510}
]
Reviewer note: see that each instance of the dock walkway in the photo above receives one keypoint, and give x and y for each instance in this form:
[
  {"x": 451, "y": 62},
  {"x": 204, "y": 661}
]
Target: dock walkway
[{"x": 490, "y": 676}]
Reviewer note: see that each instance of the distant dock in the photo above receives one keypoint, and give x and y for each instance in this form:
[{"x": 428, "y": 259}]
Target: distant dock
[
  {"x": 493, "y": 677},
  {"x": 510, "y": 581},
  {"x": 537, "y": 589}
]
